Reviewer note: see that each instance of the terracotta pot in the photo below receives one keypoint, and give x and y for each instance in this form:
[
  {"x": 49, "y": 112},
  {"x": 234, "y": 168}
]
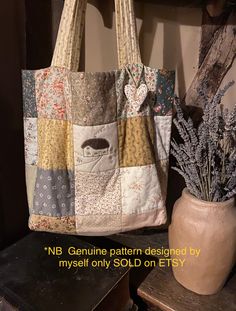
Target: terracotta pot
[{"x": 210, "y": 227}]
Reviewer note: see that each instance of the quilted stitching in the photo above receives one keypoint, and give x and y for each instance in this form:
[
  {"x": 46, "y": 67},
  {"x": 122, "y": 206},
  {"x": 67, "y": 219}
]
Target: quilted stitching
[
  {"x": 96, "y": 147},
  {"x": 141, "y": 189},
  {"x": 107, "y": 155}
]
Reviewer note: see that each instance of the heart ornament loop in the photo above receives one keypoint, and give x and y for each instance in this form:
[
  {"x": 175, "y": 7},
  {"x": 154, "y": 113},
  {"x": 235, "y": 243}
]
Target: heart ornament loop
[{"x": 136, "y": 96}]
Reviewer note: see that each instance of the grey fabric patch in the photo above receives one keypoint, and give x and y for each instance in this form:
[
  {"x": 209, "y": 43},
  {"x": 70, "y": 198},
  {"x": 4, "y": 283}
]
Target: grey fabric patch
[
  {"x": 28, "y": 89},
  {"x": 54, "y": 193}
]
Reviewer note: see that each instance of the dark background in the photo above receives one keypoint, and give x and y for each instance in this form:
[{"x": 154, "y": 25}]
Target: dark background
[{"x": 28, "y": 30}]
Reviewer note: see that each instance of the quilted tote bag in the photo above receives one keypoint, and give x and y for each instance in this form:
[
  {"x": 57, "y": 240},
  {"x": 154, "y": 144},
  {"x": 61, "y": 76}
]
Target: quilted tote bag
[{"x": 96, "y": 144}]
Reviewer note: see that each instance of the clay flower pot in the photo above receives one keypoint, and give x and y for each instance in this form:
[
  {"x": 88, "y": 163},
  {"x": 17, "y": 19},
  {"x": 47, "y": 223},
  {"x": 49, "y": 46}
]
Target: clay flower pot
[{"x": 211, "y": 228}]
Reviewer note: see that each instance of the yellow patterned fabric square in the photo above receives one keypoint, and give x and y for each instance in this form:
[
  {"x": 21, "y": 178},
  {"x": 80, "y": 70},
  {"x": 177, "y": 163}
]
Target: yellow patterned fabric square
[
  {"x": 136, "y": 141},
  {"x": 55, "y": 144}
]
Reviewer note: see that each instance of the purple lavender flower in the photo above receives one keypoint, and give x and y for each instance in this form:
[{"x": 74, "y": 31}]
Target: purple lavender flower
[{"x": 206, "y": 157}]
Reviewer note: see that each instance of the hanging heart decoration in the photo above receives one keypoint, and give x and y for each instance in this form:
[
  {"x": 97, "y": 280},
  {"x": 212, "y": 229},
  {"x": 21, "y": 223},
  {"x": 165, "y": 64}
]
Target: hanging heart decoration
[{"x": 136, "y": 96}]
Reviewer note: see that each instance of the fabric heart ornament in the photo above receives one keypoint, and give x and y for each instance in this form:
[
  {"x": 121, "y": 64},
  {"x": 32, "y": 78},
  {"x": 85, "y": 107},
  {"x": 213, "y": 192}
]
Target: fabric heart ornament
[{"x": 136, "y": 96}]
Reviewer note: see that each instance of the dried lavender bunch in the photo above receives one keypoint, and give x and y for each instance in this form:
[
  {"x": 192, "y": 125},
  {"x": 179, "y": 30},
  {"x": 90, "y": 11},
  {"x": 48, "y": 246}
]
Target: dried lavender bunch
[{"x": 206, "y": 157}]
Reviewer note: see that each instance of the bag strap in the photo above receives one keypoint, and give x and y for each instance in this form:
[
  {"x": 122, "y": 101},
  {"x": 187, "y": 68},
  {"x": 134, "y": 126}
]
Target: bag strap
[
  {"x": 126, "y": 33},
  {"x": 68, "y": 44},
  {"x": 69, "y": 38}
]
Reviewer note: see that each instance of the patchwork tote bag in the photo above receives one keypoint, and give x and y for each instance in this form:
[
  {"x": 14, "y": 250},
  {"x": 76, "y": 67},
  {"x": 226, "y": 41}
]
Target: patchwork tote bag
[{"x": 96, "y": 144}]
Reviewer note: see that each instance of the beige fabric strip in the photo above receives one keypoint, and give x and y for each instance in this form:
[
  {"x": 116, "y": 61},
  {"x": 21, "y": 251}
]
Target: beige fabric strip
[
  {"x": 127, "y": 38},
  {"x": 68, "y": 44},
  {"x": 94, "y": 225}
]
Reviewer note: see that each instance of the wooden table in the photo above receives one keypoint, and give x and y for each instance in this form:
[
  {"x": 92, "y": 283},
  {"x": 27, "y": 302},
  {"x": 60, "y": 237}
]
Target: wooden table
[
  {"x": 30, "y": 279},
  {"x": 160, "y": 291}
]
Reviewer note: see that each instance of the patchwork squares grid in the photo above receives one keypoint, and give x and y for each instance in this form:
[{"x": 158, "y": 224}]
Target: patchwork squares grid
[{"x": 98, "y": 154}]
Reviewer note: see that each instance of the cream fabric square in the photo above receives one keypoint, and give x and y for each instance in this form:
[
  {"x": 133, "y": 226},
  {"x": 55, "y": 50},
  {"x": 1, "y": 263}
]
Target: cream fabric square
[
  {"x": 98, "y": 193},
  {"x": 163, "y": 133},
  {"x": 141, "y": 191},
  {"x": 96, "y": 147},
  {"x": 30, "y": 135},
  {"x": 30, "y": 176}
]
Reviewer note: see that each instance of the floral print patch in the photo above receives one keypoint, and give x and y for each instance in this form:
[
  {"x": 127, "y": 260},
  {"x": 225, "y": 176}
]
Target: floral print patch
[
  {"x": 122, "y": 79},
  {"x": 31, "y": 140},
  {"x": 53, "y": 93},
  {"x": 151, "y": 79},
  {"x": 140, "y": 189},
  {"x": 97, "y": 193},
  {"x": 136, "y": 104},
  {"x": 103, "y": 224},
  {"x": 160, "y": 85},
  {"x": 136, "y": 71},
  {"x": 93, "y": 98},
  {"x": 164, "y": 93},
  {"x": 28, "y": 90},
  {"x": 136, "y": 95},
  {"x": 65, "y": 224}
]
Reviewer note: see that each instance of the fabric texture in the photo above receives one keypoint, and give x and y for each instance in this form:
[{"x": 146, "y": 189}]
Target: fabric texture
[{"x": 97, "y": 144}]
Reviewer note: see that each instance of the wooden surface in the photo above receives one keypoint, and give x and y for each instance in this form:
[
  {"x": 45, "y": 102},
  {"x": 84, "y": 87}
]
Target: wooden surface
[
  {"x": 142, "y": 238},
  {"x": 160, "y": 291},
  {"x": 216, "y": 4},
  {"x": 217, "y": 62},
  {"x": 210, "y": 25},
  {"x": 32, "y": 280},
  {"x": 178, "y": 3}
]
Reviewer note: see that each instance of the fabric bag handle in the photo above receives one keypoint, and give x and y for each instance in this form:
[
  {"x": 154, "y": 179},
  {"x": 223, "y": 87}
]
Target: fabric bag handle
[{"x": 69, "y": 38}]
